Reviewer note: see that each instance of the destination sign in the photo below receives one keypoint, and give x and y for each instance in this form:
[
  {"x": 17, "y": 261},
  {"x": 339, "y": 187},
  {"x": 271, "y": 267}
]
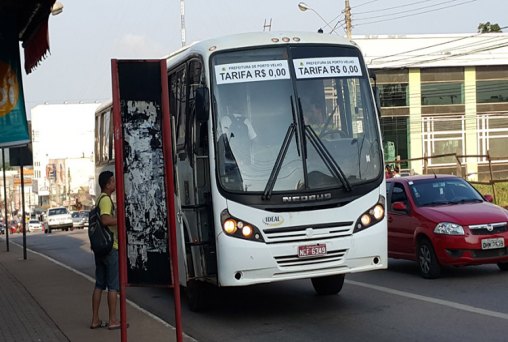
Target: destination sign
[
  {"x": 327, "y": 67},
  {"x": 252, "y": 71}
]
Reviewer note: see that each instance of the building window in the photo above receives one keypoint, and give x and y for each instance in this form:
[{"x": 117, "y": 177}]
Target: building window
[
  {"x": 492, "y": 91},
  {"x": 395, "y": 134},
  {"x": 443, "y": 136},
  {"x": 442, "y": 93},
  {"x": 394, "y": 95},
  {"x": 492, "y": 136}
]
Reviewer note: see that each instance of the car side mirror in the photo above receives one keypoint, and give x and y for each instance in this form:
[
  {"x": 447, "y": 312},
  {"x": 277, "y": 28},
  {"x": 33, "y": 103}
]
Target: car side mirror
[
  {"x": 399, "y": 206},
  {"x": 488, "y": 198}
]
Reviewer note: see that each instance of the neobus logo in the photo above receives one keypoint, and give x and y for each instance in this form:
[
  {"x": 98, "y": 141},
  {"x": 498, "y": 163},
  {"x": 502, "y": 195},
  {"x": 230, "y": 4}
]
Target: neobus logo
[
  {"x": 273, "y": 221},
  {"x": 306, "y": 198}
]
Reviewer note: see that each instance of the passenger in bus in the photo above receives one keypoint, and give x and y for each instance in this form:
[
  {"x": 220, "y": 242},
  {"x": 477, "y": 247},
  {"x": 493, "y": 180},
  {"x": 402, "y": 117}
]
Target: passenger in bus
[{"x": 313, "y": 114}]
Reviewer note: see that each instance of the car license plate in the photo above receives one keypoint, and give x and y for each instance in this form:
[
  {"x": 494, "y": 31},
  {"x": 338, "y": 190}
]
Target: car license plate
[
  {"x": 492, "y": 243},
  {"x": 311, "y": 251}
]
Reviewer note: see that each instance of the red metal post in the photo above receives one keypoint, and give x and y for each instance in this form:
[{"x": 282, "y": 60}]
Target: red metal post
[
  {"x": 120, "y": 205},
  {"x": 167, "y": 148}
]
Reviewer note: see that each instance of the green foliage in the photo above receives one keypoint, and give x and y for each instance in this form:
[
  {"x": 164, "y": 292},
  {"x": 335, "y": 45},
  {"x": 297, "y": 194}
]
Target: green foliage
[
  {"x": 501, "y": 192},
  {"x": 488, "y": 27}
]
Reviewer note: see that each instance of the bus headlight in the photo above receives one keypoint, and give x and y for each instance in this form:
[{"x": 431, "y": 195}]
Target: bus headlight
[
  {"x": 235, "y": 227},
  {"x": 229, "y": 226},
  {"x": 247, "y": 231},
  {"x": 371, "y": 216}
]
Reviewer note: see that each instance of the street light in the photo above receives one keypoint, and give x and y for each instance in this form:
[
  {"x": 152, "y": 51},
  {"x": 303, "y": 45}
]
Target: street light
[{"x": 302, "y": 6}]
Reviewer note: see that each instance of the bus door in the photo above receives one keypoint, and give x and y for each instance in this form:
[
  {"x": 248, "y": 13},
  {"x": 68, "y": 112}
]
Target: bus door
[{"x": 192, "y": 175}]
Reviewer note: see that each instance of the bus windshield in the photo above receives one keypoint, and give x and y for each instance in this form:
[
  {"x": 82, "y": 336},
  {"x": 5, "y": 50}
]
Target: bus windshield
[{"x": 294, "y": 118}]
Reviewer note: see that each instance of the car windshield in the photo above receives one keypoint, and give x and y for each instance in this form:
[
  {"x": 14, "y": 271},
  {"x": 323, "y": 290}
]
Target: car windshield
[
  {"x": 439, "y": 191},
  {"x": 284, "y": 124},
  {"x": 75, "y": 215},
  {"x": 34, "y": 221},
  {"x": 57, "y": 211}
]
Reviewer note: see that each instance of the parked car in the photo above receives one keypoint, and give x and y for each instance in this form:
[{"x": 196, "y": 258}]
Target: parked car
[
  {"x": 2, "y": 229},
  {"x": 78, "y": 221},
  {"x": 85, "y": 214},
  {"x": 440, "y": 220},
  {"x": 34, "y": 225},
  {"x": 58, "y": 218}
]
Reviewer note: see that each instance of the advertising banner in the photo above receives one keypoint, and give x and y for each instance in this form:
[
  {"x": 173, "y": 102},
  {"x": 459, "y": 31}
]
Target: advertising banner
[
  {"x": 144, "y": 194},
  {"x": 13, "y": 123}
]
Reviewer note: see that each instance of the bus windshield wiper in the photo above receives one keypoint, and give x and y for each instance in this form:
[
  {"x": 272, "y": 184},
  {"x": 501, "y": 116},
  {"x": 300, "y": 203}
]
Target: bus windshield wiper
[
  {"x": 278, "y": 162},
  {"x": 325, "y": 155}
]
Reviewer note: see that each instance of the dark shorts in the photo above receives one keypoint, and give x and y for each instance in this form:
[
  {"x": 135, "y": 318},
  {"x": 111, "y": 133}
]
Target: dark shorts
[{"x": 106, "y": 272}]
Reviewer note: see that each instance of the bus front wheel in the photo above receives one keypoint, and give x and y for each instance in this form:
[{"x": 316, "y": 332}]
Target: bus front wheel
[
  {"x": 329, "y": 285},
  {"x": 198, "y": 293}
]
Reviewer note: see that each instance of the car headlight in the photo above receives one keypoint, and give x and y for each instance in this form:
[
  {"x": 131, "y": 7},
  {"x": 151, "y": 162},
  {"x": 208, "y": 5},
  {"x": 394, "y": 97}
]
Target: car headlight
[{"x": 449, "y": 228}]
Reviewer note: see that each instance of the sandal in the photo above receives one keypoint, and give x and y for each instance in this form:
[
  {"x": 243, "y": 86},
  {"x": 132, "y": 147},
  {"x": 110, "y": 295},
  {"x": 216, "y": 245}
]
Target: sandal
[
  {"x": 116, "y": 326},
  {"x": 101, "y": 324}
]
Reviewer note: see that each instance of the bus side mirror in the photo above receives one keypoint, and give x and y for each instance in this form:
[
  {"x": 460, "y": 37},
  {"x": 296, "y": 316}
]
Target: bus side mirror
[
  {"x": 202, "y": 104},
  {"x": 375, "y": 91}
]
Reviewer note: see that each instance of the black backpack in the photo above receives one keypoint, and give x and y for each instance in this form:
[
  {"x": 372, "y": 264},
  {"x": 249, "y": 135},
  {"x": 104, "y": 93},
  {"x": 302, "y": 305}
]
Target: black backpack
[{"x": 101, "y": 238}]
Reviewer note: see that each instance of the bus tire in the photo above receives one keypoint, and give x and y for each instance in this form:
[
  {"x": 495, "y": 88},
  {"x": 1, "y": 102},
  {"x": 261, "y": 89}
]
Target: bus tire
[
  {"x": 197, "y": 293},
  {"x": 329, "y": 285}
]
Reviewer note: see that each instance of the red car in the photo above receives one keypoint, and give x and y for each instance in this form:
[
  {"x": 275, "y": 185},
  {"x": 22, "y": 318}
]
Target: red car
[{"x": 440, "y": 220}]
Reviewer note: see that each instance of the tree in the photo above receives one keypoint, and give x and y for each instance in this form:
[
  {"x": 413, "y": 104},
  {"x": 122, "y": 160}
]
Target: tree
[{"x": 488, "y": 27}]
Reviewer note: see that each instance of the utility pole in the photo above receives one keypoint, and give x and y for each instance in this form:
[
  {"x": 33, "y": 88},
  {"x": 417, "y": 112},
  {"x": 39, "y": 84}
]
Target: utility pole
[
  {"x": 182, "y": 21},
  {"x": 347, "y": 15}
]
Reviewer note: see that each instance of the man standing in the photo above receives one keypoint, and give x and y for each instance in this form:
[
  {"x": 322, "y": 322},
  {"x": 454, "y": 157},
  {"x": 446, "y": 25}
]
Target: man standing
[{"x": 106, "y": 267}]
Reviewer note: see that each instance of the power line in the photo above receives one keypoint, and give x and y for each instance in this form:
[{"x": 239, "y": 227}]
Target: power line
[
  {"x": 410, "y": 15},
  {"x": 406, "y": 11},
  {"x": 389, "y": 8}
]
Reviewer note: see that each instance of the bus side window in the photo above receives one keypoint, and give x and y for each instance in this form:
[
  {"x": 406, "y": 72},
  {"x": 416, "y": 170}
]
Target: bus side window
[
  {"x": 195, "y": 82},
  {"x": 178, "y": 103},
  {"x": 111, "y": 135},
  {"x": 105, "y": 128},
  {"x": 97, "y": 139}
]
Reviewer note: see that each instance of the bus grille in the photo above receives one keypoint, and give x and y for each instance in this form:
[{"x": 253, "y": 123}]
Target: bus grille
[
  {"x": 308, "y": 233},
  {"x": 294, "y": 260}
]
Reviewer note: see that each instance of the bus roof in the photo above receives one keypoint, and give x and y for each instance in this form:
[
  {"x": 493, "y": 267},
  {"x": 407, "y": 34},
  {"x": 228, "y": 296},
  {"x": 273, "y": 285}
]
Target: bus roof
[{"x": 209, "y": 46}]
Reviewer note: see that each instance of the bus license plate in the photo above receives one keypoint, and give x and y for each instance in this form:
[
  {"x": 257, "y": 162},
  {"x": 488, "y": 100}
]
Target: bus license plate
[
  {"x": 492, "y": 243},
  {"x": 311, "y": 251}
]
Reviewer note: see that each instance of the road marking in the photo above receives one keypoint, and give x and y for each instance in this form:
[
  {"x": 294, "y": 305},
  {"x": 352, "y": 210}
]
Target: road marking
[
  {"x": 443, "y": 302},
  {"x": 148, "y": 313}
]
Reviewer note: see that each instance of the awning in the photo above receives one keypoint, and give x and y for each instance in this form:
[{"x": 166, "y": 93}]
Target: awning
[{"x": 31, "y": 18}]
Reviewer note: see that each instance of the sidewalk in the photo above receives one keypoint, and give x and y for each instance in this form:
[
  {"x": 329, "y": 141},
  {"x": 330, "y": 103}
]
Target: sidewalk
[{"x": 41, "y": 300}]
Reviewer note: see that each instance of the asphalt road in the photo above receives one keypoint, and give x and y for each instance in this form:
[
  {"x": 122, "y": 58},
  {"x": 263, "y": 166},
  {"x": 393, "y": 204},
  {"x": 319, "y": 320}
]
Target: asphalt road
[{"x": 465, "y": 304}]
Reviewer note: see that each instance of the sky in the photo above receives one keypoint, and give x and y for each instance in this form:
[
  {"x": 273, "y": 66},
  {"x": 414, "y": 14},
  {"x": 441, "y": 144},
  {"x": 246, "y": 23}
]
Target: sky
[{"x": 88, "y": 34}]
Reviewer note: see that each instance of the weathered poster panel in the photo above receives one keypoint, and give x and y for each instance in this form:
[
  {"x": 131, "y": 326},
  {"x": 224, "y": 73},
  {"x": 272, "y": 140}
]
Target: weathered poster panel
[
  {"x": 148, "y": 261},
  {"x": 13, "y": 123}
]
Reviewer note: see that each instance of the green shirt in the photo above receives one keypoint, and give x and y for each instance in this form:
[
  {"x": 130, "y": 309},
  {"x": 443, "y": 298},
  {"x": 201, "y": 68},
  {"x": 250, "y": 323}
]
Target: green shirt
[{"x": 106, "y": 207}]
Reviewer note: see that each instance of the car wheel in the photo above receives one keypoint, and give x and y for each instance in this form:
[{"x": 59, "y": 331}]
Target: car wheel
[
  {"x": 503, "y": 266},
  {"x": 427, "y": 261},
  {"x": 330, "y": 285}
]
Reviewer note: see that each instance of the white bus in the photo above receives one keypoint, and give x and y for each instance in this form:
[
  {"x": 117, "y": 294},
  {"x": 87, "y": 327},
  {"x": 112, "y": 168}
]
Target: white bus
[{"x": 278, "y": 161}]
